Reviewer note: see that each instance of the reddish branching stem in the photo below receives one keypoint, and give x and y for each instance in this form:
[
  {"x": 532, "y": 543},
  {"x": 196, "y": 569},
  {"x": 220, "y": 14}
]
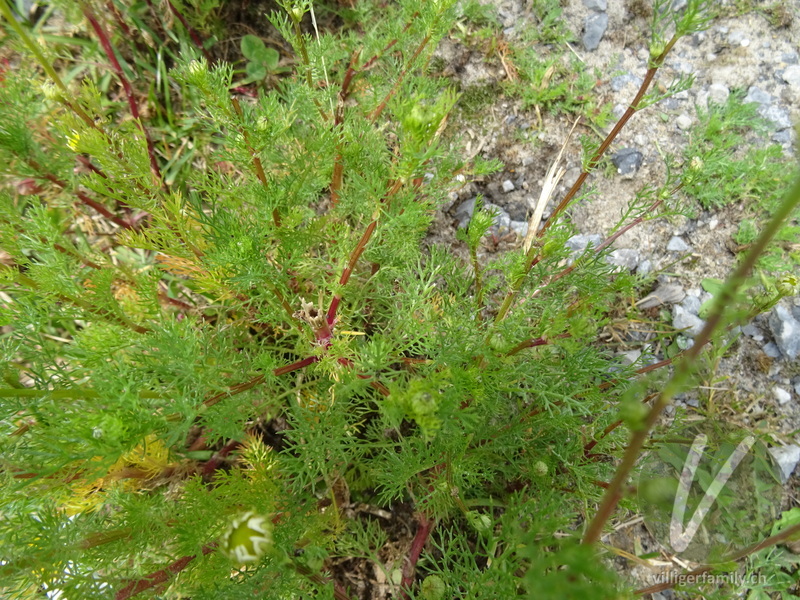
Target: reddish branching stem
[
  {"x": 83, "y": 198},
  {"x": 418, "y": 543},
  {"x": 338, "y": 167},
  {"x": 235, "y": 389},
  {"x": 359, "y": 249},
  {"x": 215, "y": 461},
  {"x": 192, "y": 32},
  {"x": 258, "y": 167},
  {"x": 160, "y": 576},
  {"x": 105, "y": 42},
  {"x": 634, "y": 106},
  {"x": 380, "y": 108}
]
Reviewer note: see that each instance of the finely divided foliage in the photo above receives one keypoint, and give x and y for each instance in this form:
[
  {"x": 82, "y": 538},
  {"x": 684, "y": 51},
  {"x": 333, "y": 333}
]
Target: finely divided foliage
[{"x": 232, "y": 367}]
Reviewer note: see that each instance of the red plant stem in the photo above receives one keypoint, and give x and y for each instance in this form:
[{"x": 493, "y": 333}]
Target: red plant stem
[
  {"x": 160, "y": 576},
  {"x": 634, "y": 106},
  {"x": 374, "y": 59},
  {"x": 132, "y": 103},
  {"x": 215, "y": 461},
  {"x": 684, "y": 368},
  {"x": 380, "y": 108},
  {"x": 192, "y": 32},
  {"x": 118, "y": 18},
  {"x": 338, "y": 119},
  {"x": 257, "y": 166},
  {"x": 590, "y": 446},
  {"x": 533, "y": 342},
  {"x": 235, "y": 389},
  {"x": 83, "y": 198},
  {"x": 295, "y": 366},
  {"x": 88, "y": 164},
  {"x": 359, "y": 249},
  {"x": 533, "y": 258},
  {"x": 417, "y": 544}
]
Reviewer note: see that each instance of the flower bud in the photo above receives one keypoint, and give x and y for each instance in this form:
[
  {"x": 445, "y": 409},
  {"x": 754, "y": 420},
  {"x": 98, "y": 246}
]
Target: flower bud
[{"x": 248, "y": 538}]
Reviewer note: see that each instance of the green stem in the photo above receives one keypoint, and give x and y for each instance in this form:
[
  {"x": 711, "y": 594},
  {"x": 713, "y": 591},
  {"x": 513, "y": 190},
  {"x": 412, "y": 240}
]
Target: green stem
[{"x": 48, "y": 68}]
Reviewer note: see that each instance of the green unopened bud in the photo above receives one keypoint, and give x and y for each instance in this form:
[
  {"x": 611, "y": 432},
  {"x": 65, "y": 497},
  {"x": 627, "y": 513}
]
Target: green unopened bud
[
  {"x": 423, "y": 403},
  {"x": 248, "y": 538},
  {"x": 540, "y": 468},
  {"x": 788, "y": 285},
  {"x": 51, "y": 92},
  {"x": 633, "y": 413},
  {"x": 433, "y": 588},
  {"x": 480, "y": 522}
]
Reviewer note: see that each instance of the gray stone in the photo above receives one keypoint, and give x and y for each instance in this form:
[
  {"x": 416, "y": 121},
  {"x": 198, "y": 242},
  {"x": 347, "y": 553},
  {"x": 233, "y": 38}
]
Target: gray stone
[
  {"x": 682, "y": 319},
  {"x": 520, "y": 228},
  {"x": 771, "y": 350},
  {"x": 786, "y": 331},
  {"x": 466, "y": 208},
  {"x": 756, "y": 94},
  {"x": 676, "y": 244},
  {"x": 779, "y": 115},
  {"x": 753, "y": 331},
  {"x": 593, "y": 30},
  {"x": 679, "y": 4},
  {"x": 578, "y": 243},
  {"x": 508, "y": 186},
  {"x": 644, "y": 267},
  {"x": 630, "y": 357},
  {"x": 598, "y": 5},
  {"x": 502, "y": 221},
  {"x": 790, "y": 58},
  {"x": 619, "y": 83},
  {"x": 627, "y": 160},
  {"x": 666, "y": 293},
  {"x": 781, "y": 395},
  {"x": 691, "y": 304},
  {"x": 718, "y": 93},
  {"x": 797, "y": 385},
  {"x": 684, "y": 121},
  {"x": 787, "y": 458},
  {"x": 783, "y": 137},
  {"x": 625, "y": 258},
  {"x": 791, "y": 75}
]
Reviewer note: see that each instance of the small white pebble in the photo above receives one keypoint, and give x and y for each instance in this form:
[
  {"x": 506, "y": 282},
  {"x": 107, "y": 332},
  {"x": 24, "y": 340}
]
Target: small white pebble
[
  {"x": 781, "y": 395},
  {"x": 684, "y": 121},
  {"x": 508, "y": 186}
]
